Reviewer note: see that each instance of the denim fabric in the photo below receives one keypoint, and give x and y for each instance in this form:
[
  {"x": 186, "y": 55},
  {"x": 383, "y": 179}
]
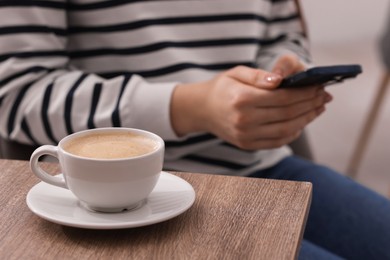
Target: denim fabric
[{"x": 346, "y": 219}]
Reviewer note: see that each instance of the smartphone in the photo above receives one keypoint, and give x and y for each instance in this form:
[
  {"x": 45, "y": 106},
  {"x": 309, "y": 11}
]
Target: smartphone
[{"x": 325, "y": 75}]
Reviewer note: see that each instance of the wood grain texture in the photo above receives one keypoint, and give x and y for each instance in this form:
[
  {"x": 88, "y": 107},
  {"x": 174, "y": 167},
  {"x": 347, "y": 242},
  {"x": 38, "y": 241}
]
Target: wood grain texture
[{"x": 232, "y": 218}]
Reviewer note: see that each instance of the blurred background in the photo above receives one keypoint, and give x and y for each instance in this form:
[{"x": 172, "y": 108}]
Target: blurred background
[{"x": 344, "y": 32}]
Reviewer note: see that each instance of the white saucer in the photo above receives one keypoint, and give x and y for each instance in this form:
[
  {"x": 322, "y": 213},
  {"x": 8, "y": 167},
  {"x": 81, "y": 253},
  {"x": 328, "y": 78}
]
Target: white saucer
[{"x": 171, "y": 197}]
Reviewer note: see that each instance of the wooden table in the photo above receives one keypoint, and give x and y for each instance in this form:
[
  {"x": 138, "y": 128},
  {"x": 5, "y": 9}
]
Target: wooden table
[{"x": 232, "y": 218}]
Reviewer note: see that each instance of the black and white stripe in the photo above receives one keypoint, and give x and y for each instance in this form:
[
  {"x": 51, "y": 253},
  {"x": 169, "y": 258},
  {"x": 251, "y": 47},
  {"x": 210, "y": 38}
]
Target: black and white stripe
[{"x": 66, "y": 66}]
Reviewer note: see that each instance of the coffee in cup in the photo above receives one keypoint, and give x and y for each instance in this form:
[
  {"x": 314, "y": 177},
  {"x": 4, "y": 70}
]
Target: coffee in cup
[
  {"x": 107, "y": 169},
  {"x": 110, "y": 145}
]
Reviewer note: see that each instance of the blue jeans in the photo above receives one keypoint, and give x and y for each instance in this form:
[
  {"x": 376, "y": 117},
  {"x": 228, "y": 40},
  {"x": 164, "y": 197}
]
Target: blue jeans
[{"x": 346, "y": 220}]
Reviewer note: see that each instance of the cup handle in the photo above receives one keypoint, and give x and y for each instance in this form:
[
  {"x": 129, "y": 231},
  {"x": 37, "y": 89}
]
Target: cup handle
[{"x": 37, "y": 170}]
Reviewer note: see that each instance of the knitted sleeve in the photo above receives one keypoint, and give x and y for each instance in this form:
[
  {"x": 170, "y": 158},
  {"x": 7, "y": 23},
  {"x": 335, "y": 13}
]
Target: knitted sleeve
[{"x": 43, "y": 97}]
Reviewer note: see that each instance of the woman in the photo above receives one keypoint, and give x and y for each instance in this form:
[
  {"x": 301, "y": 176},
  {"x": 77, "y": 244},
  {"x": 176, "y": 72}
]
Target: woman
[{"x": 201, "y": 74}]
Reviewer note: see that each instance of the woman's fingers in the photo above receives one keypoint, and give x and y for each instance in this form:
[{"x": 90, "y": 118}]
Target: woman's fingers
[
  {"x": 254, "y": 77},
  {"x": 280, "y": 97},
  {"x": 289, "y": 112},
  {"x": 234, "y": 107},
  {"x": 287, "y": 65},
  {"x": 252, "y": 117},
  {"x": 273, "y": 135}
]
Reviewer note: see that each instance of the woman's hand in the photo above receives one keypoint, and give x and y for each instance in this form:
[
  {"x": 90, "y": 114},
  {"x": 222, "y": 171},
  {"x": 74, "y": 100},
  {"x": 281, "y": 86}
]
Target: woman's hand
[{"x": 244, "y": 107}]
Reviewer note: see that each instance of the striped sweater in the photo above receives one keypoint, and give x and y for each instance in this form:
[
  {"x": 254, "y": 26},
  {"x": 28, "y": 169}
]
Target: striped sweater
[{"x": 70, "y": 65}]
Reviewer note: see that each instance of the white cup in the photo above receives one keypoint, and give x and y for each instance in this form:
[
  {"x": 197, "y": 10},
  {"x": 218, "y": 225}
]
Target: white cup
[{"x": 101, "y": 184}]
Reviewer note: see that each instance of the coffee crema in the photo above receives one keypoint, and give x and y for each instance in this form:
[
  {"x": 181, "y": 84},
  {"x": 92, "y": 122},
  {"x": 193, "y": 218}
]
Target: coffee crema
[{"x": 116, "y": 145}]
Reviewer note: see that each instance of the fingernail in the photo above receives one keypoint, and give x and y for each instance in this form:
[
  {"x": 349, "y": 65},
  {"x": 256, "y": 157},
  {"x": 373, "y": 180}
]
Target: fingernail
[
  {"x": 328, "y": 97},
  {"x": 320, "y": 110},
  {"x": 272, "y": 78}
]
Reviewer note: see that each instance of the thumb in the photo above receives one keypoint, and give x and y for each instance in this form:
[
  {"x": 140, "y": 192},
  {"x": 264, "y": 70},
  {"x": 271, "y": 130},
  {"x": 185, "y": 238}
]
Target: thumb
[
  {"x": 287, "y": 65},
  {"x": 254, "y": 77}
]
